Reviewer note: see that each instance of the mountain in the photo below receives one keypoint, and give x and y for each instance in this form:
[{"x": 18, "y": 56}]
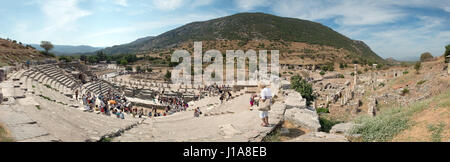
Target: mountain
[
  {"x": 132, "y": 47},
  {"x": 251, "y": 27},
  {"x": 12, "y": 52},
  {"x": 68, "y": 50}
]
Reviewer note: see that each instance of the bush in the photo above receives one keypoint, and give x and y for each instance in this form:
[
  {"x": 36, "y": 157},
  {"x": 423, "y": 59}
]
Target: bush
[
  {"x": 426, "y": 56},
  {"x": 168, "y": 75},
  {"x": 328, "y": 67},
  {"x": 447, "y": 53},
  {"x": 326, "y": 125},
  {"x": 387, "y": 124},
  {"x": 421, "y": 82},
  {"x": 341, "y": 65},
  {"x": 405, "y": 91},
  {"x": 303, "y": 87},
  {"x": 322, "y": 110},
  {"x": 405, "y": 72},
  {"x": 322, "y": 72},
  {"x": 436, "y": 132},
  {"x": 417, "y": 66},
  {"x": 341, "y": 76}
]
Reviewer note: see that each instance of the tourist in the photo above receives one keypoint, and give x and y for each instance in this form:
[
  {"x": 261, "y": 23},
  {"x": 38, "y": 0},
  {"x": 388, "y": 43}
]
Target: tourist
[
  {"x": 221, "y": 98},
  {"x": 122, "y": 116},
  {"x": 197, "y": 112},
  {"x": 264, "y": 105},
  {"x": 252, "y": 101},
  {"x": 141, "y": 113},
  {"x": 76, "y": 95}
]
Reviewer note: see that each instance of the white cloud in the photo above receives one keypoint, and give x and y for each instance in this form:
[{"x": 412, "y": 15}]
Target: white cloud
[
  {"x": 122, "y": 3},
  {"x": 149, "y": 26},
  {"x": 61, "y": 13},
  {"x": 168, "y": 4},
  {"x": 411, "y": 41},
  {"x": 251, "y": 4},
  {"x": 350, "y": 12}
]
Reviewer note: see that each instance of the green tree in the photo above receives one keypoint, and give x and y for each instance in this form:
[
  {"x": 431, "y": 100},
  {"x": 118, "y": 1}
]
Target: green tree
[
  {"x": 417, "y": 66},
  {"x": 65, "y": 58},
  {"x": 123, "y": 62},
  {"x": 168, "y": 75},
  {"x": 83, "y": 58},
  {"x": 47, "y": 46},
  {"x": 138, "y": 69},
  {"x": 129, "y": 68},
  {"x": 101, "y": 56},
  {"x": 447, "y": 53},
  {"x": 303, "y": 87},
  {"x": 322, "y": 72},
  {"x": 426, "y": 56}
]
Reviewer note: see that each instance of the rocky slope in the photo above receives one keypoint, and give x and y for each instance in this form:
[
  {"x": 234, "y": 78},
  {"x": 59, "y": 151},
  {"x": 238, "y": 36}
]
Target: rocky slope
[{"x": 255, "y": 30}]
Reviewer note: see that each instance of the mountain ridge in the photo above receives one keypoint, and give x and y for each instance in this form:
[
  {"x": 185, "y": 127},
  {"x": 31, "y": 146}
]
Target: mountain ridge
[
  {"x": 247, "y": 27},
  {"x": 69, "y": 49}
]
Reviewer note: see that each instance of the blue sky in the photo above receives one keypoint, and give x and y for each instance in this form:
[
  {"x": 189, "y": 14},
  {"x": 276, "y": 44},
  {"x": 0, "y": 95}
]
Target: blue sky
[{"x": 398, "y": 29}]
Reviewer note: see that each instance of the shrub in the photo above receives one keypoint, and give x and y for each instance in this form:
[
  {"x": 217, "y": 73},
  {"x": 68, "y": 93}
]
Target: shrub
[
  {"x": 421, "y": 82},
  {"x": 387, "y": 124},
  {"x": 322, "y": 72},
  {"x": 405, "y": 91},
  {"x": 417, "y": 66},
  {"x": 322, "y": 110},
  {"x": 436, "y": 132},
  {"x": 168, "y": 75},
  {"x": 426, "y": 56},
  {"x": 326, "y": 125},
  {"x": 447, "y": 53},
  {"x": 405, "y": 72},
  {"x": 303, "y": 87}
]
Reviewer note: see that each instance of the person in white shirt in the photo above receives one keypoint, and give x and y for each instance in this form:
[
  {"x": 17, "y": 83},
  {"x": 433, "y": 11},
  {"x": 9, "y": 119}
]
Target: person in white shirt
[{"x": 266, "y": 94}]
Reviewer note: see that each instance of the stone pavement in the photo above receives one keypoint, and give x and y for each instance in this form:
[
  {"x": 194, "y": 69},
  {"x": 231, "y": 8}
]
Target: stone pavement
[
  {"x": 232, "y": 122},
  {"x": 56, "y": 117}
]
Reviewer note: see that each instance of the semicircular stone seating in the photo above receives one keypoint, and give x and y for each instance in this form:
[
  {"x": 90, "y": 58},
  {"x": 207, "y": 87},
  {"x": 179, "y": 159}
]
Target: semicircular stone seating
[
  {"x": 97, "y": 87},
  {"x": 53, "y": 77}
]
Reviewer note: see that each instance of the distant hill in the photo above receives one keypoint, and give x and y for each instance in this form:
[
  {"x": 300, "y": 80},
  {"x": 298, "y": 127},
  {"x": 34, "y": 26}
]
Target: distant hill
[
  {"x": 132, "y": 47},
  {"x": 12, "y": 52},
  {"x": 248, "y": 27},
  {"x": 68, "y": 50}
]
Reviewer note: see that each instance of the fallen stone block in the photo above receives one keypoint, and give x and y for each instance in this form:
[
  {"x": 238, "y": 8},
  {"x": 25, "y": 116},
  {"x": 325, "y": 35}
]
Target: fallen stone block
[
  {"x": 294, "y": 100},
  {"x": 304, "y": 118},
  {"x": 342, "y": 128}
]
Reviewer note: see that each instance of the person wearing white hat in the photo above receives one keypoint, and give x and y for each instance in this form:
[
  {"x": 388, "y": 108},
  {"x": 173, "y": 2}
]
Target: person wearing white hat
[{"x": 264, "y": 104}]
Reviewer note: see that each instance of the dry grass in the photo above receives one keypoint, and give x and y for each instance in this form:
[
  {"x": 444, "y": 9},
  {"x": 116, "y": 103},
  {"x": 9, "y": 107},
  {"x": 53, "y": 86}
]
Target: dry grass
[
  {"x": 5, "y": 135},
  {"x": 432, "y": 124}
]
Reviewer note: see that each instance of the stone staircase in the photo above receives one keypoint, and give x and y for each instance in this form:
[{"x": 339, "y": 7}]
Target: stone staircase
[{"x": 44, "y": 113}]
